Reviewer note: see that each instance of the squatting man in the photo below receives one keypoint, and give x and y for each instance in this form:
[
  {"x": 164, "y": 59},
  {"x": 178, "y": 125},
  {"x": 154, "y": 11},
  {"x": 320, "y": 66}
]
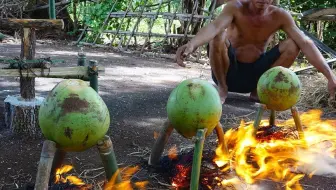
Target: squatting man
[{"x": 237, "y": 40}]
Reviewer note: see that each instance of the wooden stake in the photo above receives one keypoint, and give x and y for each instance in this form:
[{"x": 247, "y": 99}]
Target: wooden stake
[
  {"x": 197, "y": 159},
  {"x": 295, "y": 114},
  {"x": 221, "y": 140},
  {"x": 259, "y": 115},
  {"x": 45, "y": 164},
  {"x": 160, "y": 143},
  {"x": 109, "y": 160}
]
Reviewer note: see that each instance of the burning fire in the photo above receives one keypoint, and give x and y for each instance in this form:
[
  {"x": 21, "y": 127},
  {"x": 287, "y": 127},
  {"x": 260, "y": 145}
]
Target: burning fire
[
  {"x": 280, "y": 158},
  {"x": 126, "y": 183},
  {"x": 60, "y": 172}
]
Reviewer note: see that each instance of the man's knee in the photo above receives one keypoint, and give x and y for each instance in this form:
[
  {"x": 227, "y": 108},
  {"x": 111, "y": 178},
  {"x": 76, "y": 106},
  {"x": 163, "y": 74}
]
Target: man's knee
[{"x": 289, "y": 47}]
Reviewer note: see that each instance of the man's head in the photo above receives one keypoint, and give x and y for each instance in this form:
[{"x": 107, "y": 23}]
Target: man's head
[{"x": 261, "y": 4}]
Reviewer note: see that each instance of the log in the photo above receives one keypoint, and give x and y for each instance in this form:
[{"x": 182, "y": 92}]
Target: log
[
  {"x": 44, "y": 167},
  {"x": 21, "y": 116},
  {"x": 80, "y": 72},
  {"x": 32, "y": 23}
]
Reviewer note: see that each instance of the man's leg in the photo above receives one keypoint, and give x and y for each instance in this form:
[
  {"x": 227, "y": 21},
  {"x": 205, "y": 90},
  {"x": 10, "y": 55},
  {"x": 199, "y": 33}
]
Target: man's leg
[
  {"x": 219, "y": 61},
  {"x": 288, "y": 53}
]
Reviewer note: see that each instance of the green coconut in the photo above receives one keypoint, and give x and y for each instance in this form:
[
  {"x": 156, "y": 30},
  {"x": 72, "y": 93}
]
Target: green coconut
[
  {"x": 194, "y": 104},
  {"x": 279, "y": 88},
  {"x": 74, "y": 116}
]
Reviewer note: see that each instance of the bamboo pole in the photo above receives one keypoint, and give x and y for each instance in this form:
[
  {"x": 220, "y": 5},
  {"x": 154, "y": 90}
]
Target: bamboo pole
[
  {"x": 150, "y": 27},
  {"x": 144, "y": 34},
  {"x": 93, "y": 74},
  {"x": 221, "y": 140},
  {"x": 105, "y": 148},
  {"x": 298, "y": 124},
  {"x": 160, "y": 143},
  {"x": 171, "y": 22},
  {"x": 122, "y": 21},
  {"x": 54, "y": 72},
  {"x": 45, "y": 164},
  {"x": 190, "y": 20},
  {"x": 105, "y": 22},
  {"x": 52, "y": 12},
  {"x": 258, "y": 118},
  {"x": 137, "y": 23},
  {"x": 197, "y": 159}
]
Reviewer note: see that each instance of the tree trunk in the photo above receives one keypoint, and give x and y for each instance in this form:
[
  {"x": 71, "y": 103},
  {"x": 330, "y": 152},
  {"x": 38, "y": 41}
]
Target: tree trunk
[{"x": 28, "y": 44}]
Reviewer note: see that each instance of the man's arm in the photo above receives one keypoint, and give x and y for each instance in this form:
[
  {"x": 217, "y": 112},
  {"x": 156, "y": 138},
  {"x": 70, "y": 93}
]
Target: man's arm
[
  {"x": 207, "y": 33},
  {"x": 306, "y": 45},
  {"x": 309, "y": 49}
]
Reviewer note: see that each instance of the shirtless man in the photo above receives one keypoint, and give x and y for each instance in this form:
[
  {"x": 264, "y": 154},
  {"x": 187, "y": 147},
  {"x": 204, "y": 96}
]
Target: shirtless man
[{"x": 238, "y": 38}]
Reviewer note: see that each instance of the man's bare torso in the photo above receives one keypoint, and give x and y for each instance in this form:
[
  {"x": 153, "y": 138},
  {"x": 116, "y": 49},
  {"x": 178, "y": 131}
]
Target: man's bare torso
[{"x": 249, "y": 33}]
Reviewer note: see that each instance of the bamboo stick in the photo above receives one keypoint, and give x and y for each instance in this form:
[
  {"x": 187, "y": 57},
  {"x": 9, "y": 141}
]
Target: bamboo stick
[
  {"x": 160, "y": 143},
  {"x": 137, "y": 23},
  {"x": 171, "y": 22},
  {"x": 258, "y": 118},
  {"x": 298, "y": 124},
  {"x": 197, "y": 159},
  {"x": 105, "y": 22},
  {"x": 109, "y": 160},
  {"x": 221, "y": 140},
  {"x": 164, "y": 15},
  {"x": 144, "y": 34},
  {"x": 45, "y": 164},
  {"x": 93, "y": 74},
  {"x": 191, "y": 16},
  {"x": 80, "y": 72},
  {"x": 122, "y": 21},
  {"x": 150, "y": 28}
]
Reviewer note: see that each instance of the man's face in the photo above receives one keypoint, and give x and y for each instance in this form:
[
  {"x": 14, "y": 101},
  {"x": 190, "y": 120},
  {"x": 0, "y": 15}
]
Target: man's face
[{"x": 261, "y": 4}]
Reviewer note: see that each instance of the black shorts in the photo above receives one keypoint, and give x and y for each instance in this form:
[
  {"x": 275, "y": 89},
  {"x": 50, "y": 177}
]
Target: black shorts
[{"x": 243, "y": 77}]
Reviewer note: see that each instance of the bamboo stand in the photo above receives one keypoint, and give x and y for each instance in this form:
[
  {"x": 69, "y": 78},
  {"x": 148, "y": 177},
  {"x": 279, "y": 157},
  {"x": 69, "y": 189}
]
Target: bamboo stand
[
  {"x": 164, "y": 135},
  {"x": 295, "y": 115}
]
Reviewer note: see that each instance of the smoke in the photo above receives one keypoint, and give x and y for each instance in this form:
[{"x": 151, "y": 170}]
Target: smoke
[{"x": 316, "y": 163}]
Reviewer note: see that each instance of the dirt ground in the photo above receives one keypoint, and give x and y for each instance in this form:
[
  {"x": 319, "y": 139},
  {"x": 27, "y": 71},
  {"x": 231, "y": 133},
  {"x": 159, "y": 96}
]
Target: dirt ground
[{"x": 136, "y": 90}]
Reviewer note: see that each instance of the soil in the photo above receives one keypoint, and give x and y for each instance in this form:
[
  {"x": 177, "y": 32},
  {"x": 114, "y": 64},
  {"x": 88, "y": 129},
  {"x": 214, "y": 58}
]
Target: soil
[{"x": 135, "y": 89}]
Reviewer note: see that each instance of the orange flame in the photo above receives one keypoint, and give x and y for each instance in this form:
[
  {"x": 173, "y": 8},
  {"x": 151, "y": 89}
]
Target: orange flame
[
  {"x": 277, "y": 159},
  {"x": 71, "y": 179},
  {"x": 125, "y": 183},
  {"x": 172, "y": 153}
]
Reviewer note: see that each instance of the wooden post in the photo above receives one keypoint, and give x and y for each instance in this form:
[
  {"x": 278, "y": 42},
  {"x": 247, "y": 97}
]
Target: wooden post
[
  {"x": 160, "y": 143},
  {"x": 28, "y": 44},
  {"x": 44, "y": 167},
  {"x": 22, "y": 111}
]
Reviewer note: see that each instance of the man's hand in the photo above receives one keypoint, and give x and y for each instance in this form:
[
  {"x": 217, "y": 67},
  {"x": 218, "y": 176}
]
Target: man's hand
[
  {"x": 182, "y": 53},
  {"x": 332, "y": 88}
]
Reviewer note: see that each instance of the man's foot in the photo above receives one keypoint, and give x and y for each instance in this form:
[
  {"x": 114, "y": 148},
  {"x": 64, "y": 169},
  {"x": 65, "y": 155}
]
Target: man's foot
[{"x": 254, "y": 97}]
